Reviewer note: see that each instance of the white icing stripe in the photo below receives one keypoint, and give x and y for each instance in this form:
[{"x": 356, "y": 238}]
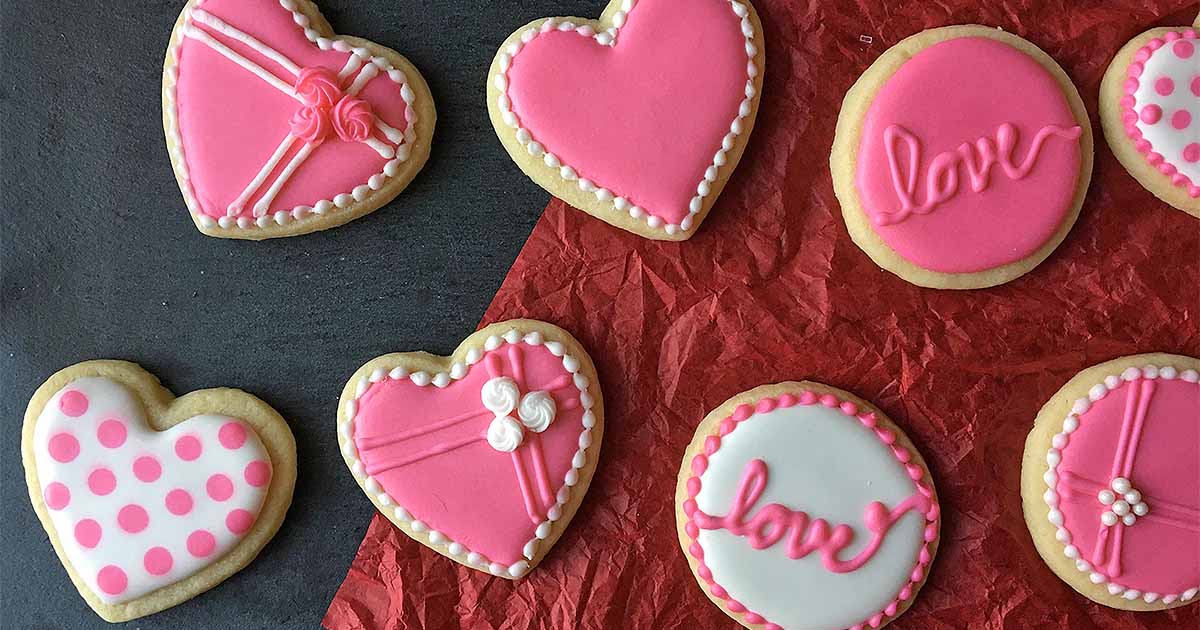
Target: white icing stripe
[
  {"x": 260, "y": 208},
  {"x": 392, "y": 134},
  {"x": 214, "y": 22},
  {"x": 352, "y": 64},
  {"x": 385, "y": 151},
  {"x": 368, "y": 72},
  {"x": 239, "y": 204},
  {"x": 204, "y": 38}
]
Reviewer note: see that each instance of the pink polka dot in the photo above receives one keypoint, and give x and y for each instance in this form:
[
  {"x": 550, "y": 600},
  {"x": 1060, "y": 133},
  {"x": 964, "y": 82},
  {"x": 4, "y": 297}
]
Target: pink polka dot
[
  {"x": 112, "y": 580},
  {"x": 1191, "y": 153},
  {"x": 239, "y": 521},
  {"x": 1181, "y": 119},
  {"x": 232, "y": 435},
  {"x": 220, "y": 487},
  {"x": 1196, "y": 85},
  {"x": 102, "y": 481},
  {"x": 257, "y": 473},
  {"x": 87, "y": 533},
  {"x": 64, "y": 447},
  {"x": 179, "y": 502},
  {"x": 73, "y": 403},
  {"x": 146, "y": 468},
  {"x": 188, "y": 448},
  {"x": 1164, "y": 86},
  {"x": 158, "y": 561},
  {"x": 57, "y": 496},
  {"x": 111, "y": 433},
  {"x": 133, "y": 518},
  {"x": 1183, "y": 49},
  {"x": 200, "y": 543},
  {"x": 1151, "y": 114}
]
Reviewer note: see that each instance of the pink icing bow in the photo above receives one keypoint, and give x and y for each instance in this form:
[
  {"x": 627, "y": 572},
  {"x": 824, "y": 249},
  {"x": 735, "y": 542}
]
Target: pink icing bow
[{"x": 327, "y": 108}]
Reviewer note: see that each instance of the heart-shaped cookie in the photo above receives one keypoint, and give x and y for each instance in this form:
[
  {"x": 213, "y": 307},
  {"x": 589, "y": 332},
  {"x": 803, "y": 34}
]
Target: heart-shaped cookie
[
  {"x": 278, "y": 127},
  {"x": 149, "y": 499},
  {"x": 637, "y": 118},
  {"x": 484, "y": 455}
]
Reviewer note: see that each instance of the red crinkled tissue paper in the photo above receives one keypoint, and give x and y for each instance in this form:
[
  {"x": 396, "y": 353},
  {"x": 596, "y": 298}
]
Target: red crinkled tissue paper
[{"x": 771, "y": 288}]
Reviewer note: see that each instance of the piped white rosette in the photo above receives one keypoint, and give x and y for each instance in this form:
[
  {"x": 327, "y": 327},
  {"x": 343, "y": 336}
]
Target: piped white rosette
[{"x": 502, "y": 397}]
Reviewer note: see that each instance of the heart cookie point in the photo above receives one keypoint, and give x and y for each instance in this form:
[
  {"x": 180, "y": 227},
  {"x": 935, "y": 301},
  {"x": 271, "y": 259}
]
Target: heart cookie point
[
  {"x": 276, "y": 126},
  {"x": 483, "y": 455},
  {"x": 147, "y": 499},
  {"x": 624, "y": 117}
]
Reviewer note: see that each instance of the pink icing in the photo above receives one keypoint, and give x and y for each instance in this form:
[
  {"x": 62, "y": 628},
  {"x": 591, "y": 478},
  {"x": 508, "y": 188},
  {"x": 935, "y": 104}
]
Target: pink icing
[
  {"x": 642, "y": 118},
  {"x": 1147, "y": 431},
  {"x": 780, "y": 519},
  {"x": 231, "y": 121},
  {"x": 1150, "y": 113},
  {"x": 966, "y": 121},
  {"x": 426, "y": 447},
  {"x": 805, "y": 535}
]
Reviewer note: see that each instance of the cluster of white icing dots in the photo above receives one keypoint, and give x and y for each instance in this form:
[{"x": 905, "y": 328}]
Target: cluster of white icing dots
[
  {"x": 135, "y": 509},
  {"x": 375, "y": 182},
  {"x": 1124, "y": 503},
  {"x": 536, "y": 411},
  {"x": 501, "y": 396},
  {"x": 608, "y": 37},
  {"x": 1161, "y": 104}
]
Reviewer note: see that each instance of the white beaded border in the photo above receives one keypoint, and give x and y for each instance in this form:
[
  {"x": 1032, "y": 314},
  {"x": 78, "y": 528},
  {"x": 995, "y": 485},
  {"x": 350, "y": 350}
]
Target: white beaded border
[
  {"x": 1054, "y": 456},
  {"x": 324, "y": 206},
  {"x": 608, "y": 37},
  {"x": 457, "y": 371}
]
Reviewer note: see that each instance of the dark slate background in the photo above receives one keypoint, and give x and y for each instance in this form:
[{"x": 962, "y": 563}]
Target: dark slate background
[{"x": 98, "y": 259}]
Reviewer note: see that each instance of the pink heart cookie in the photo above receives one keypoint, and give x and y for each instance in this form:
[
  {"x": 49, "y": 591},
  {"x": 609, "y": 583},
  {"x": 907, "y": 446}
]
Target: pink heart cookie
[
  {"x": 484, "y": 455},
  {"x": 278, "y": 127},
  {"x": 148, "y": 499},
  {"x": 637, "y": 118}
]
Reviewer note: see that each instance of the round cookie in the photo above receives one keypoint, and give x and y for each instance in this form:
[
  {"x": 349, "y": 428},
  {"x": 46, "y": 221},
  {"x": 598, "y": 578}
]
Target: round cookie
[
  {"x": 956, "y": 177},
  {"x": 1108, "y": 482},
  {"x": 1150, "y": 111},
  {"x": 801, "y": 506}
]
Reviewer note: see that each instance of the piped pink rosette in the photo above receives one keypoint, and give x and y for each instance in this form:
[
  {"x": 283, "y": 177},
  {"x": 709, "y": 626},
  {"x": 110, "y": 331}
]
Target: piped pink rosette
[
  {"x": 327, "y": 108},
  {"x": 1160, "y": 106}
]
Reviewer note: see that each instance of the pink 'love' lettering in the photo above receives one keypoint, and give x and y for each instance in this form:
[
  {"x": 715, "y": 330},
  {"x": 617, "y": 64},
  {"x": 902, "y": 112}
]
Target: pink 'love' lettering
[
  {"x": 804, "y": 534},
  {"x": 941, "y": 178}
]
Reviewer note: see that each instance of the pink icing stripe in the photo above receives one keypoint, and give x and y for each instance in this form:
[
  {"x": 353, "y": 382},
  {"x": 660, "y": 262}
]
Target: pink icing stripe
[
  {"x": 876, "y": 515},
  {"x": 539, "y": 470},
  {"x": 1130, "y": 108}
]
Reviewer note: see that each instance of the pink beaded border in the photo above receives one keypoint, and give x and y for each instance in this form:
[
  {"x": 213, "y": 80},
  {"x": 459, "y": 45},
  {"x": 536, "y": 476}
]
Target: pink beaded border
[
  {"x": 745, "y": 411},
  {"x": 1129, "y": 114}
]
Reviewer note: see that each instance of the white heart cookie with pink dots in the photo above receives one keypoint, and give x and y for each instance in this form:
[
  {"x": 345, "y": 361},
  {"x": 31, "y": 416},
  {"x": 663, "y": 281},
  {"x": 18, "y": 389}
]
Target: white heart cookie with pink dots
[
  {"x": 1162, "y": 106},
  {"x": 148, "y": 499}
]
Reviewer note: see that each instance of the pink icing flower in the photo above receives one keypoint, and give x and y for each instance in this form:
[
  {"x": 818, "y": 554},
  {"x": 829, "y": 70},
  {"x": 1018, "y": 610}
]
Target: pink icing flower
[
  {"x": 310, "y": 124},
  {"x": 318, "y": 87},
  {"x": 353, "y": 119}
]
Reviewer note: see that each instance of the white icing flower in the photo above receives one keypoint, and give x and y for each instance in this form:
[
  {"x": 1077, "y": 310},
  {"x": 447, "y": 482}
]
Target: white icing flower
[
  {"x": 537, "y": 411},
  {"x": 1124, "y": 503},
  {"x": 505, "y": 434},
  {"x": 500, "y": 395}
]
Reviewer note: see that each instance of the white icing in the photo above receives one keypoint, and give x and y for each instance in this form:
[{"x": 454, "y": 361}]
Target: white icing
[
  {"x": 505, "y": 434},
  {"x": 537, "y": 410},
  {"x": 830, "y": 466},
  {"x": 500, "y": 395},
  {"x": 110, "y": 400},
  {"x": 1165, "y": 138}
]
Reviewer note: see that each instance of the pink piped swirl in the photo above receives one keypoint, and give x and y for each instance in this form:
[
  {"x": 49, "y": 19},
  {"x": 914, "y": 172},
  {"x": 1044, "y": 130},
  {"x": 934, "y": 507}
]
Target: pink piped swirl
[
  {"x": 353, "y": 119},
  {"x": 327, "y": 109}
]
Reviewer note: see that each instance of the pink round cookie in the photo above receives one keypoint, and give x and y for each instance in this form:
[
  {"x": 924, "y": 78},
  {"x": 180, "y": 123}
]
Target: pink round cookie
[
  {"x": 801, "y": 506},
  {"x": 1108, "y": 482},
  {"x": 1150, "y": 108},
  {"x": 278, "y": 127},
  {"x": 953, "y": 177}
]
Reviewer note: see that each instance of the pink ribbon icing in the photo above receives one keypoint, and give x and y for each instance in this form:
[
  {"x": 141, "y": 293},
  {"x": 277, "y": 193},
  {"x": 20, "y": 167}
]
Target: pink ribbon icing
[{"x": 327, "y": 108}]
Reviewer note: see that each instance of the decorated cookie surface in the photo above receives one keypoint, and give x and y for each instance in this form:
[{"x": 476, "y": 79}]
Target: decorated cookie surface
[
  {"x": 1108, "y": 482},
  {"x": 1150, "y": 107},
  {"x": 800, "y": 506},
  {"x": 952, "y": 177},
  {"x": 629, "y": 118},
  {"x": 278, "y": 127},
  {"x": 150, "y": 500},
  {"x": 484, "y": 455}
]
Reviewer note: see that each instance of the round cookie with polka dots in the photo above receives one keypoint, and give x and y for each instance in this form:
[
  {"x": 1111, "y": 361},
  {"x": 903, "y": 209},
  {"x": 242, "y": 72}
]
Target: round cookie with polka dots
[
  {"x": 1150, "y": 110},
  {"x": 149, "y": 499}
]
